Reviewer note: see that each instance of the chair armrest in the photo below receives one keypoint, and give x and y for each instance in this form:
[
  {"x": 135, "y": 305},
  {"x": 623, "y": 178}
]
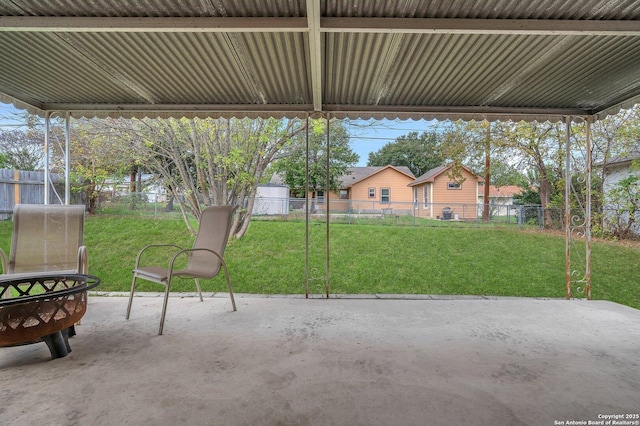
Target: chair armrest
[
  {"x": 145, "y": 248},
  {"x": 190, "y": 250},
  {"x": 188, "y": 253},
  {"x": 5, "y": 264},
  {"x": 83, "y": 260}
]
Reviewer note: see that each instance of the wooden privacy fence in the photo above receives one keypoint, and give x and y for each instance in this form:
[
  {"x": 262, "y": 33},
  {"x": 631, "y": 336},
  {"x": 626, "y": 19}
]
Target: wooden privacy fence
[{"x": 26, "y": 187}]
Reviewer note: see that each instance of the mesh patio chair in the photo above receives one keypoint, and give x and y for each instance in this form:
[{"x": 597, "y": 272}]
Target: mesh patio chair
[
  {"x": 46, "y": 238},
  {"x": 205, "y": 258}
]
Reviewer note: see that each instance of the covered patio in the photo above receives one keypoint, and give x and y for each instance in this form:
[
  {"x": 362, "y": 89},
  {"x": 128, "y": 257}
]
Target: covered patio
[
  {"x": 280, "y": 360},
  {"x": 410, "y": 360},
  {"x": 415, "y": 59}
]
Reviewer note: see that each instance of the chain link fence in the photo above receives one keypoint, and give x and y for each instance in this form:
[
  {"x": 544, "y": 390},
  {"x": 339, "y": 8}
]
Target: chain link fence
[
  {"x": 531, "y": 216},
  {"x": 158, "y": 206}
]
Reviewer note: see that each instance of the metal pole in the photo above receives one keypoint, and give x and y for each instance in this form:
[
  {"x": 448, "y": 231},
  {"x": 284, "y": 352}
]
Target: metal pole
[
  {"x": 487, "y": 173},
  {"x": 67, "y": 161},
  {"x": 306, "y": 212},
  {"x": 588, "y": 215},
  {"x": 567, "y": 210},
  {"x": 47, "y": 118},
  {"x": 326, "y": 196}
]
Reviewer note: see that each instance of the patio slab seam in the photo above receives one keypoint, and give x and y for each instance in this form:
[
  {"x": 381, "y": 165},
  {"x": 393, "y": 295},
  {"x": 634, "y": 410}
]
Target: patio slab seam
[{"x": 368, "y": 296}]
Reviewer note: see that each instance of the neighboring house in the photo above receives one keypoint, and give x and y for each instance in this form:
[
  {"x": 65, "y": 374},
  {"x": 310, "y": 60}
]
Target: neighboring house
[
  {"x": 617, "y": 169},
  {"x": 500, "y": 199},
  {"x": 437, "y": 195},
  {"x": 500, "y": 195},
  {"x": 367, "y": 190},
  {"x": 374, "y": 189},
  {"x": 121, "y": 187},
  {"x": 395, "y": 190}
]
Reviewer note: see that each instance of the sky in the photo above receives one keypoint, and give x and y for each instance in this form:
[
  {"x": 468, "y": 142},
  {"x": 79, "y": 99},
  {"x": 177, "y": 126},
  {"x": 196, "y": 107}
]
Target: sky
[
  {"x": 365, "y": 136},
  {"x": 5, "y": 111},
  {"x": 370, "y": 138}
]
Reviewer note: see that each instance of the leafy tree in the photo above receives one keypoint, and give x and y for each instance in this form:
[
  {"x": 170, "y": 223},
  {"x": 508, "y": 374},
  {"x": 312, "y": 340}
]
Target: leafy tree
[
  {"x": 538, "y": 147},
  {"x": 22, "y": 149},
  {"x": 205, "y": 162},
  {"x": 527, "y": 196},
  {"x": 472, "y": 143},
  {"x": 614, "y": 136},
  {"x": 624, "y": 206},
  {"x": 420, "y": 153},
  {"x": 292, "y": 165},
  {"x": 96, "y": 158},
  {"x": 466, "y": 142},
  {"x": 503, "y": 174}
]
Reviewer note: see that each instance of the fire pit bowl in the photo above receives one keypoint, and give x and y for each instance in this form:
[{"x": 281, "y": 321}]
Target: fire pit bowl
[{"x": 41, "y": 307}]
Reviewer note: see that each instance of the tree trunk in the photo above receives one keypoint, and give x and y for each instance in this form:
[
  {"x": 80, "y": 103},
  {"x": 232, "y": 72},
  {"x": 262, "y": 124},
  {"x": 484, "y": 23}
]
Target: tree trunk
[
  {"x": 132, "y": 179},
  {"x": 92, "y": 198},
  {"x": 169, "y": 207},
  {"x": 545, "y": 199}
]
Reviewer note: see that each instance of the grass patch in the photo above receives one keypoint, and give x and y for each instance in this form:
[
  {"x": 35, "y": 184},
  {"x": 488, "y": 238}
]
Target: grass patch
[{"x": 270, "y": 259}]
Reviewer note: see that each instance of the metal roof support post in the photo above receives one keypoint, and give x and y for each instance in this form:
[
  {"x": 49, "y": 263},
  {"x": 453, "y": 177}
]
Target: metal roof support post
[
  {"x": 327, "y": 197},
  {"x": 588, "y": 213},
  {"x": 47, "y": 129},
  {"x": 567, "y": 209},
  {"x": 67, "y": 160},
  {"x": 578, "y": 223},
  {"x": 313, "y": 274},
  {"x": 306, "y": 211}
]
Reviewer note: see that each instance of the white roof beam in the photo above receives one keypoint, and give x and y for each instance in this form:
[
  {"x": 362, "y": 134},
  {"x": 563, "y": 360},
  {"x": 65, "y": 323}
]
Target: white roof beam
[
  {"x": 482, "y": 26},
  {"x": 353, "y": 110},
  {"x": 315, "y": 52},
  {"x": 314, "y": 23},
  {"x": 150, "y": 24}
]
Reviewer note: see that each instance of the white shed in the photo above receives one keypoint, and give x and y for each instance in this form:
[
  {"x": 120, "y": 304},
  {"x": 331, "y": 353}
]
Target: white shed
[{"x": 271, "y": 199}]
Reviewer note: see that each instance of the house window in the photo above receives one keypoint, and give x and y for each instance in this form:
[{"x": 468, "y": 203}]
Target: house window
[
  {"x": 385, "y": 195},
  {"x": 415, "y": 197},
  {"x": 372, "y": 193},
  {"x": 454, "y": 185},
  {"x": 344, "y": 194},
  {"x": 425, "y": 195},
  {"x": 320, "y": 197}
]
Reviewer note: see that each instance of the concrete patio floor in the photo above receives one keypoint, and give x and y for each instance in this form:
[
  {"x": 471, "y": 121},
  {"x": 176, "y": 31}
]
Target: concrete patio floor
[{"x": 346, "y": 361}]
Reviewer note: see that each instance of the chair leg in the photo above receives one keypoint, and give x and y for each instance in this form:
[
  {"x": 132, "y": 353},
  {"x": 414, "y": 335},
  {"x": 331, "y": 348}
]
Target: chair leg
[
  {"x": 198, "y": 287},
  {"x": 226, "y": 273},
  {"x": 164, "y": 306},
  {"x": 133, "y": 288}
]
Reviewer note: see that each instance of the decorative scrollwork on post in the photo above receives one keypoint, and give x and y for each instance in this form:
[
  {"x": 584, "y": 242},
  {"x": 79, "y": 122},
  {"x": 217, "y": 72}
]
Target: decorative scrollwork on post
[
  {"x": 316, "y": 281},
  {"x": 578, "y": 213}
]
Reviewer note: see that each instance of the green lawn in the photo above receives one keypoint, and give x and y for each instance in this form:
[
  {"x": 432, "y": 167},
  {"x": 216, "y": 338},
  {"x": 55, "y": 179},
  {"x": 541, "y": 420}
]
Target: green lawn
[{"x": 370, "y": 259}]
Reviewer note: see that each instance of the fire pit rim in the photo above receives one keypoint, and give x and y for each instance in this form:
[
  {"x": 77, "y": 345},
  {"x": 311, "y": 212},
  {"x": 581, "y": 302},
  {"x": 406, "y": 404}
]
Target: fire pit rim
[
  {"x": 54, "y": 331},
  {"x": 85, "y": 285}
]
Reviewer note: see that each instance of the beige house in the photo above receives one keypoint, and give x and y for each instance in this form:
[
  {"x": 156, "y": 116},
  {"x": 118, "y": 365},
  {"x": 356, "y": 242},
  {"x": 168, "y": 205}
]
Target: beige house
[
  {"x": 438, "y": 195},
  {"x": 372, "y": 189},
  {"x": 395, "y": 190}
]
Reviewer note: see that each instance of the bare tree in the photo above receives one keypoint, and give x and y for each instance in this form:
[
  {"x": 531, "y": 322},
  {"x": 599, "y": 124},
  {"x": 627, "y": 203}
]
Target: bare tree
[
  {"x": 22, "y": 149},
  {"x": 205, "y": 162}
]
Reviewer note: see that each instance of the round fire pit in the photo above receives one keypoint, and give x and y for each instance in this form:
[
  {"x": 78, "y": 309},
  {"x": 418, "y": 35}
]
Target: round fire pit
[{"x": 36, "y": 308}]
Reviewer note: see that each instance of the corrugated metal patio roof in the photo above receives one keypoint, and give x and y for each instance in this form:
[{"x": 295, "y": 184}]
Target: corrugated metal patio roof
[{"x": 354, "y": 58}]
